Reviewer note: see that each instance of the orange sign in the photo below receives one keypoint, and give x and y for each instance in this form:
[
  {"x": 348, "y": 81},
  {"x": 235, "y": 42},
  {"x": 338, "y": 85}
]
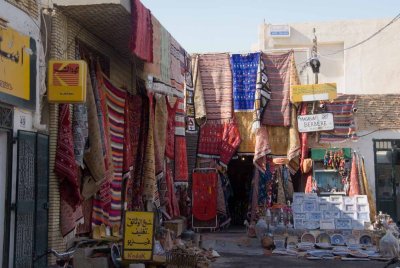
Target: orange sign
[{"x": 67, "y": 81}]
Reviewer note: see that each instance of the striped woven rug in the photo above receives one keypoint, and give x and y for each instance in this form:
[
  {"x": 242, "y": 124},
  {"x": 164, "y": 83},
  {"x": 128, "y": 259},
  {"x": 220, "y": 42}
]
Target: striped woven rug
[{"x": 115, "y": 98}]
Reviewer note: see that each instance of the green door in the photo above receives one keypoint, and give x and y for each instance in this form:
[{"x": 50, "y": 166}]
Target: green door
[{"x": 387, "y": 167}]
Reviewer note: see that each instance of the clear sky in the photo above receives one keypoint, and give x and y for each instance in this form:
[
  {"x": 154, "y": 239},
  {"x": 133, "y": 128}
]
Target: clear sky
[{"x": 232, "y": 25}]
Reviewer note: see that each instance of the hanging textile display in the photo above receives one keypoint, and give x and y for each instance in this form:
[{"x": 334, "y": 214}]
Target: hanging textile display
[
  {"x": 244, "y": 121},
  {"x": 262, "y": 95},
  {"x": 160, "y": 131},
  {"x": 65, "y": 167},
  {"x": 294, "y": 146},
  {"x": 154, "y": 67},
  {"x": 204, "y": 194},
  {"x": 149, "y": 174},
  {"x": 372, "y": 207},
  {"x": 244, "y": 78},
  {"x": 70, "y": 219},
  {"x": 165, "y": 60},
  {"x": 277, "y": 111},
  {"x": 244, "y": 73},
  {"x": 265, "y": 179},
  {"x": 172, "y": 202},
  {"x": 80, "y": 131},
  {"x": 133, "y": 113},
  {"x": 177, "y": 58},
  {"x": 221, "y": 206},
  {"x": 181, "y": 164},
  {"x": 141, "y": 43},
  {"x": 303, "y": 138},
  {"x": 170, "y": 137},
  {"x": 354, "y": 184},
  {"x": 216, "y": 79},
  {"x": 86, "y": 226},
  {"x": 189, "y": 100},
  {"x": 262, "y": 148},
  {"x": 343, "y": 118},
  {"x": 199, "y": 102},
  {"x": 254, "y": 196},
  {"x": 115, "y": 98},
  {"x": 94, "y": 157},
  {"x": 230, "y": 143},
  {"x": 278, "y": 140}
]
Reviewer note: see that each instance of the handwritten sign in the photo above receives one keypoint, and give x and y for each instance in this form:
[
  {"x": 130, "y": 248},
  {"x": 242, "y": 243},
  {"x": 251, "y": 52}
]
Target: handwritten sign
[
  {"x": 315, "y": 122},
  {"x": 67, "y": 81},
  {"x": 138, "y": 235},
  {"x": 17, "y": 68},
  {"x": 313, "y": 92}
]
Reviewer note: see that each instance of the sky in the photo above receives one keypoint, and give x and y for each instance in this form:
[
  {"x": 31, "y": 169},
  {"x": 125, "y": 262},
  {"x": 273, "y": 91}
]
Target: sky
[{"x": 232, "y": 25}]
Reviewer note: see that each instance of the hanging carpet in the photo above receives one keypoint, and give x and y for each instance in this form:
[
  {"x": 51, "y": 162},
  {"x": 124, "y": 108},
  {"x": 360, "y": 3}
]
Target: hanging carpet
[
  {"x": 141, "y": 43},
  {"x": 204, "y": 194}
]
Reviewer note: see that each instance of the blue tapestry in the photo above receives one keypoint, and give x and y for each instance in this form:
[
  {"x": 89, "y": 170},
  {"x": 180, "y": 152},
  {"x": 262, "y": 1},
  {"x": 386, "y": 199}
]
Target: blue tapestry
[
  {"x": 244, "y": 73},
  {"x": 264, "y": 192}
]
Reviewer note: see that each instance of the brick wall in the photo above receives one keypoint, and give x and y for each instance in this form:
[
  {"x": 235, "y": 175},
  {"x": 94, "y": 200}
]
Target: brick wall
[
  {"x": 378, "y": 112},
  {"x": 31, "y": 7}
]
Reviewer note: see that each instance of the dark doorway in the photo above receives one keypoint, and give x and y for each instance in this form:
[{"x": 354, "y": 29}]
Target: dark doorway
[
  {"x": 240, "y": 172},
  {"x": 387, "y": 176}
]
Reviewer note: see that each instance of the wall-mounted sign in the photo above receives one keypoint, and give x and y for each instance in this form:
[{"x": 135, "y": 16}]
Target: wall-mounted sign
[
  {"x": 279, "y": 30},
  {"x": 138, "y": 235},
  {"x": 17, "y": 69},
  {"x": 315, "y": 122},
  {"x": 67, "y": 81},
  {"x": 314, "y": 92}
]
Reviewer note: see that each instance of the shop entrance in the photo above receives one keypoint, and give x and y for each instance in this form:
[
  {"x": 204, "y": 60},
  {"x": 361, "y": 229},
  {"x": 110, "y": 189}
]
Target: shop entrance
[{"x": 240, "y": 173}]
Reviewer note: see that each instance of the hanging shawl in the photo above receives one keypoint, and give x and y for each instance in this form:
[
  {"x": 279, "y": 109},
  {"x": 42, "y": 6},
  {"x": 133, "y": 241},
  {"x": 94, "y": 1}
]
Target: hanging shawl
[
  {"x": 170, "y": 142},
  {"x": 216, "y": 78},
  {"x": 265, "y": 179},
  {"x": 199, "y": 103},
  {"x": 354, "y": 185},
  {"x": 244, "y": 74},
  {"x": 244, "y": 122},
  {"x": 133, "y": 113},
  {"x": 115, "y": 98},
  {"x": 149, "y": 174},
  {"x": 230, "y": 143},
  {"x": 65, "y": 167},
  {"x": 177, "y": 60},
  {"x": 261, "y": 97},
  {"x": 80, "y": 131},
  {"x": 277, "y": 111},
  {"x": 154, "y": 68},
  {"x": 165, "y": 56},
  {"x": 141, "y": 43},
  {"x": 160, "y": 131},
  {"x": 204, "y": 192},
  {"x": 181, "y": 164},
  {"x": 221, "y": 206},
  {"x": 94, "y": 157},
  {"x": 262, "y": 148},
  {"x": 343, "y": 118},
  {"x": 281, "y": 191},
  {"x": 172, "y": 202}
]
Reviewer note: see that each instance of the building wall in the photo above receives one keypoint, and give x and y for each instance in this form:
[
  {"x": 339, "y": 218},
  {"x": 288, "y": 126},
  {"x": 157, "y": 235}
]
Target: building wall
[
  {"x": 23, "y": 17},
  {"x": 370, "y": 68}
]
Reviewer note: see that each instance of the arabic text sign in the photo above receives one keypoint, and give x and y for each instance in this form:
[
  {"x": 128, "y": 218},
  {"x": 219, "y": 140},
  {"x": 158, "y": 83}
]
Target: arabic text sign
[
  {"x": 67, "y": 81},
  {"x": 138, "y": 235},
  {"x": 15, "y": 64},
  {"x": 315, "y": 122},
  {"x": 314, "y": 92}
]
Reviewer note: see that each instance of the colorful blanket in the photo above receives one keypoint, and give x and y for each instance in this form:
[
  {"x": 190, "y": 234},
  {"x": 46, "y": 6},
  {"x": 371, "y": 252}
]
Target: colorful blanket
[
  {"x": 115, "y": 98},
  {"x": 165, "y": 60},
  {"x": 343, "y": 118},
  {"x": 177, "y": 64},
  {"x": 216, "y": 78},
  {"x": 277, "y": 111},
  {"x": 142, "y": 31},
  {"x": 204, "y": 194},
  {"x": 170, "y": 137},
  {"x": 262, "y": 148},
  {"x": 244, "y": 74},
  {"x": 181, "y": 164},
  {"x": 80, "y": 131}
]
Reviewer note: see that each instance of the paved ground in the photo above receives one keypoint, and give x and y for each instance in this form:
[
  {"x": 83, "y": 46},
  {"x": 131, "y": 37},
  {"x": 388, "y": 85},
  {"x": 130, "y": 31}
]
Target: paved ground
[{"x": 255, "y": 261}]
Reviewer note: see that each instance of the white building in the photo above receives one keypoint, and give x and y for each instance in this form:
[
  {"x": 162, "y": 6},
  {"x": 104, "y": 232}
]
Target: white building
[{"x": 368, "y": 68}]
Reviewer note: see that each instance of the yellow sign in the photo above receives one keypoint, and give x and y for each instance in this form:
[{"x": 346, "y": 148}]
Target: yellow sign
[
  {"x": 313, "y": 92},
  {"x": 17, "y": 68},
  {"x": 67, "y": 81},
  {"x": 138, "y": 235}
]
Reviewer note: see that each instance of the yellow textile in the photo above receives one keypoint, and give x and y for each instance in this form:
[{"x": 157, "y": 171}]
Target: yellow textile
[
  {"x": 244, "y": 121},
  {"x": 278, "y": 140}
]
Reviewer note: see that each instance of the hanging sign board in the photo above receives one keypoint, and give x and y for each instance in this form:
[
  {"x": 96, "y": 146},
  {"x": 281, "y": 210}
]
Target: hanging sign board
[
  {"x": 17, "y": 69},
  {"x": 138, "y": 236},
  {"x": 279, "y": 30},
  {"x": 314, "y": 92},
  {"x": 315, "y": 122},
  {"x": 67, "y": 81}
]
